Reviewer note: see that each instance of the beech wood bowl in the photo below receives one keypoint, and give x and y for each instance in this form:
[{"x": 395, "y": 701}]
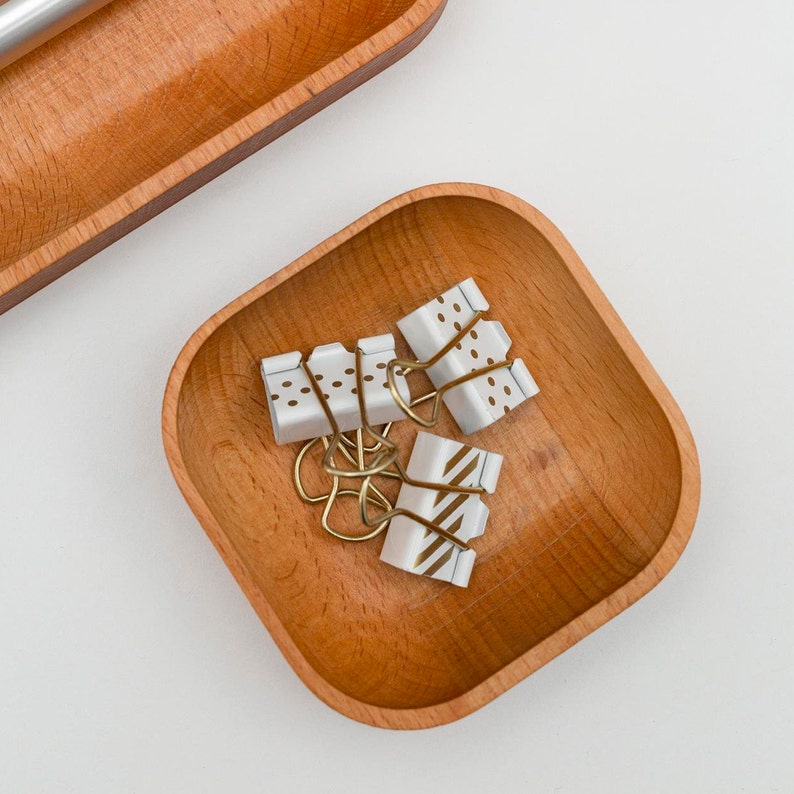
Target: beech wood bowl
[
  {"x": 596, "y": 501},
  {"x": 144, "y": 101}
]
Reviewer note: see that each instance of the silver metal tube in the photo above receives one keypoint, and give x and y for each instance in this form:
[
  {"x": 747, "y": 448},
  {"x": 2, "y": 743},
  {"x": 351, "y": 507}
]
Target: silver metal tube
[{"x": 24, "y": 24}]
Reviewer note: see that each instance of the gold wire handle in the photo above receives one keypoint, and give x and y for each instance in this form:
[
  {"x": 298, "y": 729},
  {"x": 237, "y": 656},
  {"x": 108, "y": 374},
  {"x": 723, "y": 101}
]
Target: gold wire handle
[
  {"x": 384, "y": 458},
  {"x": 298, "y": 467},
  {"x": 402, "y": 475},
  {"x": 330, "y": 498},
  {"x": 301, "y": 488},
  {"x": 406, "y": 367},
  {"x": 363, "y": 498},
  {"x": 335, "y": 492},
  {"x": 350, "y": 444}
]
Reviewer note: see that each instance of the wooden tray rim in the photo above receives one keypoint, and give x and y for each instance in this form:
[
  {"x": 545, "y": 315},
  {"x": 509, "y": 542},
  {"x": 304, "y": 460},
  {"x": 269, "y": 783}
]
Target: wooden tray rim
[
  {"x": 285, "y": 111},
  {"x": 507, "y": 677}
]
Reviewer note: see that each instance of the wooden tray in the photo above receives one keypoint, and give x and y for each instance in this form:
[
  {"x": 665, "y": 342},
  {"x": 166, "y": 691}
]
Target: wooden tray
[
  {"x": 144, "y": 101},
  {"x": 598, "y": 493}
]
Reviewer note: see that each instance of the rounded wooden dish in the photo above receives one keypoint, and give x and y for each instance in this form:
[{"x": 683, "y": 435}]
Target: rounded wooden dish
[{"x": 598, "y": 493}]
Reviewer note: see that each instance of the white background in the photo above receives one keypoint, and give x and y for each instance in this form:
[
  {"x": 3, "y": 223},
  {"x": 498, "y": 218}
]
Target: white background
[{"x": 658, "y": 137}]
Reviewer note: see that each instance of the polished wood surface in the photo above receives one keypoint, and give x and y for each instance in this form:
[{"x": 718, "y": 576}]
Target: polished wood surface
[
  {"x": 143, "y": 102},
  {"x": 598, "y": 493}
]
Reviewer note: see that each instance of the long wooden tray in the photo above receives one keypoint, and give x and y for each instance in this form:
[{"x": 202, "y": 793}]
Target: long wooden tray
[
  {"x": 596, "y": 500},
  {"x": 143, "y": 102}
]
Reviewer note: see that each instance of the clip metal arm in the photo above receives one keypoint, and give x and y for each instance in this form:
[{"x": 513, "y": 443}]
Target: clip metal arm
[
  {"x": 383, "y": 460},
  {"x": 407, "y": 367},
  {"x": 364, "y": 498}
]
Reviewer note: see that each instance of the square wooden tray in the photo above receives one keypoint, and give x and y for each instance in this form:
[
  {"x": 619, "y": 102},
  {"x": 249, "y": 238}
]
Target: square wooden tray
[
  {"x": 598, "y": 493},
  {"x": 143, "y": 102}
]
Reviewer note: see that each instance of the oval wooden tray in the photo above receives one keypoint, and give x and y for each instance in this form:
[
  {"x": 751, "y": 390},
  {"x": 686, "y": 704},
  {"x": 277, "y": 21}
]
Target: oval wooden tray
[
  {"x": 596, "y": 502},
  {"x": 143, "y": 102}
]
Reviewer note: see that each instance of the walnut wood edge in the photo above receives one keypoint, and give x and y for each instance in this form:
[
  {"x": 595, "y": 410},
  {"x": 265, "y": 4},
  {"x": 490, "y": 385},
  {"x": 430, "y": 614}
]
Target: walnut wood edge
[
  {"x": 556, "y": 643},
  {"x": 63, "y": 253}
]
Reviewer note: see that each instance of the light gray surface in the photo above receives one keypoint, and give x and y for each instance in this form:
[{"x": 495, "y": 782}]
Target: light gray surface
[{"x": 660, "y": 142}]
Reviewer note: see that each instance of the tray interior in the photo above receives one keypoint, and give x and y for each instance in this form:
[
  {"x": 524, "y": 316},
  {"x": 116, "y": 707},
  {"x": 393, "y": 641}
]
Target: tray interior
[
  {"x": 589, "y": 490},
  {"x": 140, "y": 84}
]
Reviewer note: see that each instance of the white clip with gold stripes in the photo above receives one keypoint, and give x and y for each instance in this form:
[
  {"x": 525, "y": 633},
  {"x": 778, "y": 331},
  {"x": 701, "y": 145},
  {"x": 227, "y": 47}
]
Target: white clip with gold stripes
[
  {"x": 483, "y": 399},
  {"x": 295, "y": 409},
  {"x": 417, "y": 549}
]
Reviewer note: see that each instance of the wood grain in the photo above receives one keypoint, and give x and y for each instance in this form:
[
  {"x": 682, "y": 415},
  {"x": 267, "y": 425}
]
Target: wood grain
[
  {"x": 596, "y": 502},
  {"x": 143, "y": 102}
]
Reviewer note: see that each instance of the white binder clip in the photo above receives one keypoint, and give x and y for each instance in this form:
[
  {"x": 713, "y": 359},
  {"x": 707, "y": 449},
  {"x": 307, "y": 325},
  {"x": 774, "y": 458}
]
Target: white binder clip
[
  {"x": 299, "y": 410},
  {"x": 465, "y": 357},
  {"x": 415, "y": 547}
]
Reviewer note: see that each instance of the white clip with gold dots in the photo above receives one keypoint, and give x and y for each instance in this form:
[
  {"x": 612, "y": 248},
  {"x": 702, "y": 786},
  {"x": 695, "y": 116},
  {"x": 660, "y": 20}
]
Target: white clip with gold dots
[
  {"x": 295, "y": 410},
  {"x": 482, "y": 400}
]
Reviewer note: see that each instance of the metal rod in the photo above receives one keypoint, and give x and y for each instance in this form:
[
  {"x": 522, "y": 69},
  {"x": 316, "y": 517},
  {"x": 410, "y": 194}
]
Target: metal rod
[{"x": 25, "y": 24}]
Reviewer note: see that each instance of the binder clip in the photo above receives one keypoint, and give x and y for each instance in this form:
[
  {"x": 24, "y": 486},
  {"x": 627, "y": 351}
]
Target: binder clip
[
  {"x": 320, "y": 396},
  {"x": 441, "y": 492},
  {"x": 465, "y": 358},
  {"x": 332, "y": 393}
]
